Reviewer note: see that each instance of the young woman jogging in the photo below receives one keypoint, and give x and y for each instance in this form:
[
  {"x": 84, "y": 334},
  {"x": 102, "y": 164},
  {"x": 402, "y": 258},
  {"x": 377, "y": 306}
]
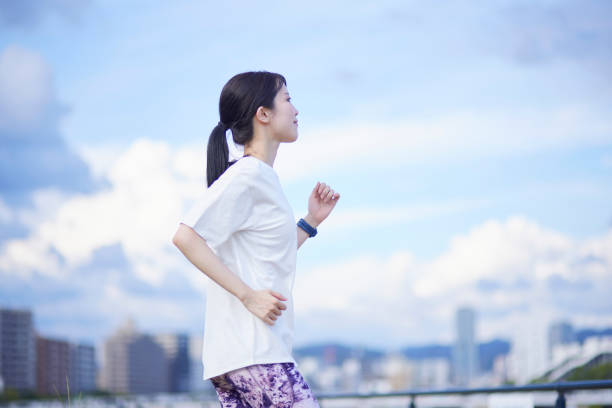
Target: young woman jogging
[{"x": 241, "y": 233}]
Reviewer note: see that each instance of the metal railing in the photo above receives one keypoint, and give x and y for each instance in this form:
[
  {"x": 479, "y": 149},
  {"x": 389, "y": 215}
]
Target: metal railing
[{"x": 560, "y": 387}]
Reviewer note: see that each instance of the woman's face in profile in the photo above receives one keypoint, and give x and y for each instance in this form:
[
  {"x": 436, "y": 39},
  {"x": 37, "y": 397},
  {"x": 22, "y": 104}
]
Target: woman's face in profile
[{"x": 284, "y": 117}]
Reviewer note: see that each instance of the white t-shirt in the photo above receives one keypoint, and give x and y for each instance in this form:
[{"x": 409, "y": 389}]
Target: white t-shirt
[{"x": 246, "y": 219}]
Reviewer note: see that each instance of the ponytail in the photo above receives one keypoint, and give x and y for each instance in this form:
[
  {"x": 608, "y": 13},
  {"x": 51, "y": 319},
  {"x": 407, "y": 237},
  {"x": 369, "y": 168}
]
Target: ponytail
[
  {"x": 240, "y": 98},
  {"x": 217, "y": 154}
]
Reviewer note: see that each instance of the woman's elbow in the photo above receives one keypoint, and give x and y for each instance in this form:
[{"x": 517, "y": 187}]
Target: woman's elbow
[
  {"x": 176, "y": 240},
  {"x": 179, "y": 236}
]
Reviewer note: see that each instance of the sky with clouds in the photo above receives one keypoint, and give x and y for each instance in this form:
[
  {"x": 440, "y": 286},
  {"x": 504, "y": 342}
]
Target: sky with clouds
[{"x": 471, "y": 143}]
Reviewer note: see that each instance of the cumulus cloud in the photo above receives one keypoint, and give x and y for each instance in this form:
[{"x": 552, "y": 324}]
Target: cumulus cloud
[
  {"x": 33, "y": 155},
  {"x": 114, "y": 245},
  {"x": 517, "y": 249},
  {"x": 150, "y": 184},
  {"x": 93, "y": 299},
  {"x": 507, "y": 270},
  {"x": 139, "y": 210},
  {"x": 89, "y": 252}
]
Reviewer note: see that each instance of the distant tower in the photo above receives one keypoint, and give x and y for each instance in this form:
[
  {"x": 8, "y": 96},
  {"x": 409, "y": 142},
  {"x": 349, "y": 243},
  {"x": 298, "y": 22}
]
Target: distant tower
[
  {"x": 82, "y": 368},
  {"x": 465, "y": 351},
  {"x": 17, "y": 349},
  {"x": 560, "y": 333},
  {"x": 52, "y": 366},
  {"x": 176, "y": 347},
  {"x": 134, "y": 362}
]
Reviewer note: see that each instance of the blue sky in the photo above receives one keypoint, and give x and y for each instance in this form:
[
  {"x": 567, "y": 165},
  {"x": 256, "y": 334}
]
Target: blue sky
[{"x": 471, "y": 143}]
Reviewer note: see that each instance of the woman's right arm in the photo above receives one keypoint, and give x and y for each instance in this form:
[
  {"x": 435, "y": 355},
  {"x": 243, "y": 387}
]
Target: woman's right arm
[{"x": 265, "y": 304}]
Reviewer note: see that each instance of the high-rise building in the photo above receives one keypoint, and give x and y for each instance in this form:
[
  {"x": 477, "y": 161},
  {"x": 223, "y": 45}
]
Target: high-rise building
[
  {"x": 63, "y": 367},
  {"x": 176, "y": 348},
  {"x": 82, "y": 368},
  {"x": 560, "y": 333},
  {"x": 17, "y": 349},
  {"x": 134, "y": 362},
  {"x": 52, "y": 366},
  {"x": 465, "y": 350}
]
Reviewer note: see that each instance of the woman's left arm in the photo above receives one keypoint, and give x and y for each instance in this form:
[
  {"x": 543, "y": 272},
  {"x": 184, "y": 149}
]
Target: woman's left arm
[{"x": 322, "y": 200}]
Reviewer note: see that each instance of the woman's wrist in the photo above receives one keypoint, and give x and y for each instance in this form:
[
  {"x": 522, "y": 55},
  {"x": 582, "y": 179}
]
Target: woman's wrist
[
  {"x": 308, "y": 218},
  {"x": 244, "y": 293}
]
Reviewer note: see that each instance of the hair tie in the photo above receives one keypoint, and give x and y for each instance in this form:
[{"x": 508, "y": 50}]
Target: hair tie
[{"x": 236, "y": 151}]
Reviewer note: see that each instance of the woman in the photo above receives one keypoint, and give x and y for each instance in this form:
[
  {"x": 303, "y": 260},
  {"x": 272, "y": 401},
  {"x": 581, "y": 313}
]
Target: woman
[{"x": 241, "y": 233}]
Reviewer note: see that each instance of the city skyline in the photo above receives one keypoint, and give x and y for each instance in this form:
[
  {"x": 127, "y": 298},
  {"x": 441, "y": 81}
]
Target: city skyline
[
  {"x": 136, "y": 362},
  {"x": 471, "y": 145}
]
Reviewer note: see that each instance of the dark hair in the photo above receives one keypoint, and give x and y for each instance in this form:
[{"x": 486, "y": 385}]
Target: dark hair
[{"x": 240, "y": 98}]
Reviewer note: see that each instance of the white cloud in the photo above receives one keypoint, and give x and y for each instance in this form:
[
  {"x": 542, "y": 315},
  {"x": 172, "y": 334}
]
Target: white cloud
[
  {"x": 405, "y": 300},
  {"x": 518, "y": 248},
  {"x": 45, "y": 204},
  {"x": 23, "y": 257},
  {"x": 416, "y": 301},
  {"x": 149, "y": 187}
]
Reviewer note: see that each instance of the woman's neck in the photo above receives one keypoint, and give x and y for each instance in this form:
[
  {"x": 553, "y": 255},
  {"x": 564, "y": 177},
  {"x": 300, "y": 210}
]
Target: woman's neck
[{"x": 262, "y": 148}]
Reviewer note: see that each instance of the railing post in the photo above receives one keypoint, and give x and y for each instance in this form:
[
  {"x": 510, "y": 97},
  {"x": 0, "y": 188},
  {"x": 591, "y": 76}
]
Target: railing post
[
  {"x": 560, "y": 403},
  {"x": 413, "y": 405}
]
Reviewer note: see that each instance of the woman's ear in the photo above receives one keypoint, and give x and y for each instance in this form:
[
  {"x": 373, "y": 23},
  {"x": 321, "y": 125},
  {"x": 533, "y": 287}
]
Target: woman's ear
[{"x": 263, "y": 114}]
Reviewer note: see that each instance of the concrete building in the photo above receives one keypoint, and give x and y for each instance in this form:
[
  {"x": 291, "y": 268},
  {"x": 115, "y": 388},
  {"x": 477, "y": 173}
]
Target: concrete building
[
  {"x": 133, "y": 362},
  {"x": 176, "y": 349},
  {"x": 559, "y": 333},
  {"x": 82, "y": 368},
  {"x": 52, "y": 366},
  {"x": 17, "y": 349},
  {"x": 465, "y": 350}
]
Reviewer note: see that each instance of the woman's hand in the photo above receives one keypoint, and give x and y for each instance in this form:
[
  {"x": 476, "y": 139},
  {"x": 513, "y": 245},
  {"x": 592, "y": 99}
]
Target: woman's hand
[
  {"x": 320, "y": 203},
  {"x": 265, "y": 304}
]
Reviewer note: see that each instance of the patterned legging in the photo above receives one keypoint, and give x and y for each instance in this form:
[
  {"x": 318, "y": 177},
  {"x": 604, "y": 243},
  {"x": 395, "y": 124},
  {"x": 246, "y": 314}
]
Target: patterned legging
[{"x": 277, "y": 385}]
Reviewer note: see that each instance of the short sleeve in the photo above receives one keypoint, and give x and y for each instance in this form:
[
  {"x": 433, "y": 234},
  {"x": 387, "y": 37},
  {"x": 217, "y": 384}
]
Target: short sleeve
[{"x": 222, "y": 209}]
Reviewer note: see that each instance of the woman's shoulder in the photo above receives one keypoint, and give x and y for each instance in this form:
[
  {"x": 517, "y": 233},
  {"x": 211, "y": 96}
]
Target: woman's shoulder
[
  {"x": 252, "y": 166},
  {"x": 247, "y": 171}
]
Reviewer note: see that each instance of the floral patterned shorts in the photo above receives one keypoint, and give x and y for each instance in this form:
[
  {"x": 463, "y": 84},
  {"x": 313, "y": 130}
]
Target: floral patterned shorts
[{"x": 277, "y": 385}]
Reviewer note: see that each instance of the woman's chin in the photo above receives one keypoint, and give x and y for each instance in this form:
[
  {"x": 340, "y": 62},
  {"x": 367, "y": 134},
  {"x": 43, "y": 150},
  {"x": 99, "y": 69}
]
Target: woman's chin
[{"x": 291, "y": 139}]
